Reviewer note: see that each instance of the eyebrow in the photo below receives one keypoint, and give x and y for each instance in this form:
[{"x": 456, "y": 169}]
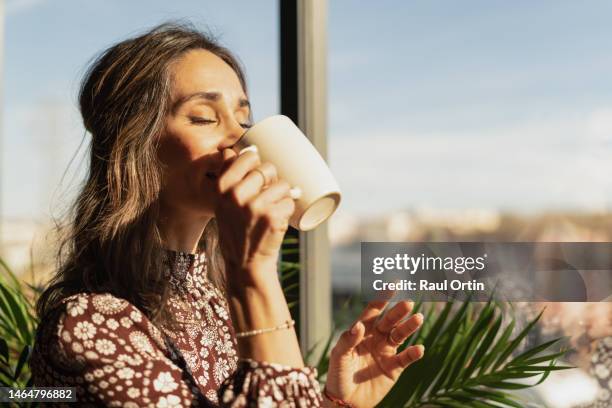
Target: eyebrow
[{"x": 209, "y": 96}]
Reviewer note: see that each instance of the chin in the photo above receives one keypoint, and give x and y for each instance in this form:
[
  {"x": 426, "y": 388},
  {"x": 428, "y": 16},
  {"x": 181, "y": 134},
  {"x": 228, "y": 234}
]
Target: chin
[{"x": 205, "y": 211}]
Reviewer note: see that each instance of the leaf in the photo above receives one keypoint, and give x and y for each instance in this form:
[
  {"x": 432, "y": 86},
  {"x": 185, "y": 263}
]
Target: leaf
[
  {"x": 449, "y": 342},
  {"x": 9, "y": 272},
  {"x": 4, "y": 383},
  {"x": 4, "y": 351},
  {"x": 534, "y": 351},
  {"x": 499, "y": 346},
  {"x": 289, "y": 265},
  {"x": 495, "y": 396},
  {"x": 514, "y": 343},
  {"x": 6, "y": 373},
  {"x": 291, "y": 287},
  {"x": 546, "y": 374},
  {"x": 508, "y": 385},
  {"x": 547, "y": 357},
  {"x": 484, "y": 347},
  {"x": 18, "y": 314},
  {"x": 25, "y": 355},
  {"x": 290, "y": 240},
  {"x": 542, "y": 368},
  {"x": 437, "y": 327},
  {"x": 323, "y": 364},
  {"x": 286, "y": 275},
  {"x": 477, "y": 332}
]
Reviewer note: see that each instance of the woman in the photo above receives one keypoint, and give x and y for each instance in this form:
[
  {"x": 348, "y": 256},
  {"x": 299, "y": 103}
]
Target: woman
[{"x": 167, "y": 292}]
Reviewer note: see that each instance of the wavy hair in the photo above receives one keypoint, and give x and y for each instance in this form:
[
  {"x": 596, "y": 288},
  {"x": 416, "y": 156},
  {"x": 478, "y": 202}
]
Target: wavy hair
[{"x": 110, "y": 240}]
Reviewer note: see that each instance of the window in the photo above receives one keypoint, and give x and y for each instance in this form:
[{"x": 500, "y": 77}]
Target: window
[{"x": 481, "y": 121}]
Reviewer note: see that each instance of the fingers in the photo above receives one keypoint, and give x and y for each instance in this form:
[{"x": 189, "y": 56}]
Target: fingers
[
  {"x": 396, "y": 314},
  {"x": 235, "y": 168},
  {"x": 349, "y": 340},
  {"x": 276, "y": 203},
  {"x": 268, "y": 173},
  {"x": 400, "y": 333},
  {"x": 374, "y": 308},
  {"x": 273, "y": 194},
  {"x": 255, "y": 180},
  {"x": 408, "y": 356}
]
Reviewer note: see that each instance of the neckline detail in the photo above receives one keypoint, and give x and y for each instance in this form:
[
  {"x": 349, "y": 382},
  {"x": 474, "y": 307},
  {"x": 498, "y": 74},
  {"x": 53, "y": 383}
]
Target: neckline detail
[
  {"x": 181, "y": 267},
  {"x": 176, "y": 251}
]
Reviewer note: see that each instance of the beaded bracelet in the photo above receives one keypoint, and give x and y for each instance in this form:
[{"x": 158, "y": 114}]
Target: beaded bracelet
[
  {"x": 337, "y": 401},
  {"x": 286, "y": 325}
]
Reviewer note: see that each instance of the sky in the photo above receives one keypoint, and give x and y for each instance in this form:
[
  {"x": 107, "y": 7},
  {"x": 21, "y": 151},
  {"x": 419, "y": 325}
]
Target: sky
[{"x": 448, "y": 105}]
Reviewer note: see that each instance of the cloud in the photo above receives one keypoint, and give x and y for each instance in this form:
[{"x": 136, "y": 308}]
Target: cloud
[
  {"x": 599, "y": 124},
  {"x": 534, "y": 166}
]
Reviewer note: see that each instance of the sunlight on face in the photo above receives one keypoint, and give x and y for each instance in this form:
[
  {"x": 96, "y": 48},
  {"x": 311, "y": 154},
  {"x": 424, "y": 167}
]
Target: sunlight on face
[{"x": 209, "y": 112}]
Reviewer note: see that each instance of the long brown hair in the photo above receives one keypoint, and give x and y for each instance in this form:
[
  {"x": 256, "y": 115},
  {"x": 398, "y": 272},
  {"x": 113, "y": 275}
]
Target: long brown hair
[{"x": 111, "y": 241}]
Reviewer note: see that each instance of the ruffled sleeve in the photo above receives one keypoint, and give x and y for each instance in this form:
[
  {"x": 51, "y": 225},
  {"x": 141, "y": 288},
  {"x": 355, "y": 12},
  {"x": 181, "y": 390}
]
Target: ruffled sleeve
[{"x": 263, "y": 384}]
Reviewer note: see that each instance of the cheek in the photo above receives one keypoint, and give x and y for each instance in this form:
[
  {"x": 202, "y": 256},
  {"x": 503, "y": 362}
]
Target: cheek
[
  {"x": 174, "y": 149},
  {"x": 177, "y": 157},
  {"x": 185, "y": 161}
]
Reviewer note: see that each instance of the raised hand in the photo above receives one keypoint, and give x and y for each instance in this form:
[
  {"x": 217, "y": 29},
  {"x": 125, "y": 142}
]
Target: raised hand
[{"x": 364, "y": 363}]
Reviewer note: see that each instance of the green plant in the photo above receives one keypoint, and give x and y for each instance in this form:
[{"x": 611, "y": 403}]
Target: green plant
[
  {"x": 289, "y": 271},
  {"x": 17, "y": 328},
  {"x": 469, "y": 359}
]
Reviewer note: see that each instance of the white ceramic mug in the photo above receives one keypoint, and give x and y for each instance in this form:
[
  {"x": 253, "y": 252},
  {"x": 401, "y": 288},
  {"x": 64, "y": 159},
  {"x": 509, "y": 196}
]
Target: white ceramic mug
[{"x": 280, "y": 142}]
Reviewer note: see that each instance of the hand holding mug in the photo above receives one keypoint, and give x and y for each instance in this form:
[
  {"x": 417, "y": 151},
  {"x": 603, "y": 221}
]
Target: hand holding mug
[
  {"x": 253, "y": 211},
  {"x": 279, "y": 141}
]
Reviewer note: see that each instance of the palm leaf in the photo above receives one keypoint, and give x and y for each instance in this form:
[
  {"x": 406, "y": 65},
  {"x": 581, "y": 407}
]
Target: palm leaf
[
  {"x": 289, "y": 272},
  {"x": 17, "y": 327}
]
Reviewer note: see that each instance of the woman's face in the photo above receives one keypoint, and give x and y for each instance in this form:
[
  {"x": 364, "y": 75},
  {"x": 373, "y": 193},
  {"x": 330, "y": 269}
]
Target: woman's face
[{"x": 209, "y": 112}]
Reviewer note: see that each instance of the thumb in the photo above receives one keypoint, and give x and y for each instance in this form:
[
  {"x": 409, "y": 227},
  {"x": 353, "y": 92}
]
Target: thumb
[{"x": 350, "y": 339}]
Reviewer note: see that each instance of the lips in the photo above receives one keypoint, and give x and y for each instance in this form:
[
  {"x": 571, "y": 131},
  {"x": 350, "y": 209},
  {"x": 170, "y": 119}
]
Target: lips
[{"x": 214, "y": 171}]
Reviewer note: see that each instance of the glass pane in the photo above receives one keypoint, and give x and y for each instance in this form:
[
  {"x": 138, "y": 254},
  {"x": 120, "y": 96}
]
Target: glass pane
[{"x": 479, "y": 121}]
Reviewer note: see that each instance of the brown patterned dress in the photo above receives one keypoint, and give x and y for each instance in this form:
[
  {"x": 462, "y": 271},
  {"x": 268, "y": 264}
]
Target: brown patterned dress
[{"x": 114, "y": 356}]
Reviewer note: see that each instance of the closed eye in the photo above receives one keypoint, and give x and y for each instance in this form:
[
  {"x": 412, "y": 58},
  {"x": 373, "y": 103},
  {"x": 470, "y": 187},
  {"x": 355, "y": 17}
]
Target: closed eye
[{"x": 203, "y": 121}]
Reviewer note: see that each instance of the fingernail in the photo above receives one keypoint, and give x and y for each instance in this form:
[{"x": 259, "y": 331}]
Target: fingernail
[
  {"x": 354, "y": 329},
  {"x": 251, "y": 148},
  {"x": 420, "y": 351},
  {"x": 419, "y": 317},
  {"x": 295, "y": 193}
]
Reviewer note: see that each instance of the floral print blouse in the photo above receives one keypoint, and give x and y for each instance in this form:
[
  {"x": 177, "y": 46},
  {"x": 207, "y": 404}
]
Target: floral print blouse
[{"x": 114, "y": 356}]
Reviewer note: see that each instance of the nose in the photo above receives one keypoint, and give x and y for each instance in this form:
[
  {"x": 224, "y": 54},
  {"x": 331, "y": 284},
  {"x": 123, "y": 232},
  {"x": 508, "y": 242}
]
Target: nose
[{"x": 234, "y": 132}]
